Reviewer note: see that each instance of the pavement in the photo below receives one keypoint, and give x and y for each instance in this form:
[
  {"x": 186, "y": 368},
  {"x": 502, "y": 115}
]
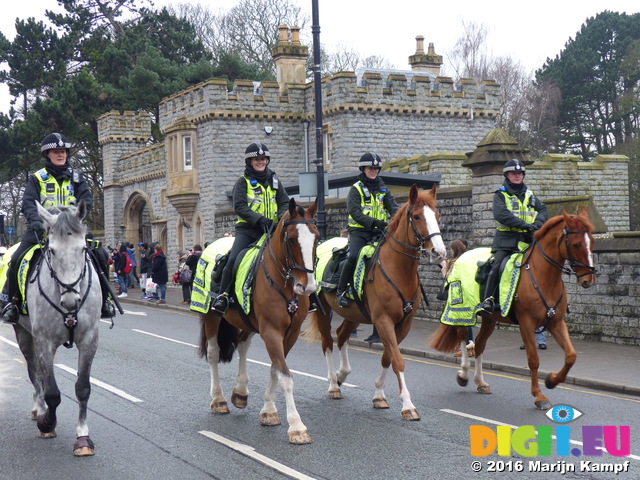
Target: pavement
[{"x": 601, "y": 365}]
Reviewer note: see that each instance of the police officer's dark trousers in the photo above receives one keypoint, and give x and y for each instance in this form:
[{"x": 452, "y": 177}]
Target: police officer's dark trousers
[
  {"x": 357, "y": 240},
  {"x": 494, "y": 275}
]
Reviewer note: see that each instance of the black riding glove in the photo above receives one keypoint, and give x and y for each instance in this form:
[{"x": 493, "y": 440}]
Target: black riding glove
[
  {"x": 38, "y": 228},
  {"x": 266, "y": 224},
  {"x": 379, "y": 224}
]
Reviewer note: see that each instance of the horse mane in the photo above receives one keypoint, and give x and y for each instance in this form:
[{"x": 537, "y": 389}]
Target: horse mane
[
  {"x": 424, "y": 198},
  {"x": 554, "y": 221},
  {"x": 67, "y": 221}
]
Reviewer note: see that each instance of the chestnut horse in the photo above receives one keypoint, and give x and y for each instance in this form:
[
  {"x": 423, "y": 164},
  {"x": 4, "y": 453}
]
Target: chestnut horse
[
  {"x": 280, "y": 302},
  {"x": 389, "y": 300},
  {"x": 541, "y": 300}
]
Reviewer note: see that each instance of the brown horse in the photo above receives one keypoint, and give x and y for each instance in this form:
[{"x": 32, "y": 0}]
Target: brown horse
[
  {"x": 280, "y": 302},
  {"x": 541, "y": 300},
  {"x": 390, "y": 297}
]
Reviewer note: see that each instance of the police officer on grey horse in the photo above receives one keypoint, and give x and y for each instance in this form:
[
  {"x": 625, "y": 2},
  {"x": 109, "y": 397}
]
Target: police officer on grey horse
[{"x": 57, "y": 184}]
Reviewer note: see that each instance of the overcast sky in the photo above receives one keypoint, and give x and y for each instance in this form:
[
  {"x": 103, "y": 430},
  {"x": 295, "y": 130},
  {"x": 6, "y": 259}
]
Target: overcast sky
[{"x": 529, "y": 32}]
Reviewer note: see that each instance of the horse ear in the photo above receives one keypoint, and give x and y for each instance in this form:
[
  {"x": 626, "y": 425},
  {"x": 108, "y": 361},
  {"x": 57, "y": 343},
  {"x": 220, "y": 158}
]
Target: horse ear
[
  {"x": 292, "y": 207},
  {"x": 45, "y": 215},
  {"x": 81, "y": 211},
  {"x": 413, "y": 193},
  {"x": 434, "y": 189},
  {"x": 583, "y": 211},
  {"x": 313, "y": 208}
]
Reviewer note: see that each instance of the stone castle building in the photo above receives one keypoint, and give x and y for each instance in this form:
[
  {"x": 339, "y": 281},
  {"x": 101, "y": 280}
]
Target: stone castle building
[{"x": 172, "y": 191}]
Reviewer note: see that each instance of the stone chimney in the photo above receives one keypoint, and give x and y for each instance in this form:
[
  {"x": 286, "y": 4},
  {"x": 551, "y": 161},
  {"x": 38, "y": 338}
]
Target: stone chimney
[
  {"x": 429, "y": 61},
  {"x": 290, "y": 57}
]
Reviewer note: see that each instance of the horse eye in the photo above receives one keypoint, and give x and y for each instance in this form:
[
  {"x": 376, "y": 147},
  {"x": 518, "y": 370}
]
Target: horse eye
[{"x": 416, "y": 217}]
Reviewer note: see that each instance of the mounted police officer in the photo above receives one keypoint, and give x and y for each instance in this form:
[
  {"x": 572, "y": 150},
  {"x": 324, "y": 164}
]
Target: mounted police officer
[
  {"x": 259, "y": 199},
  {"x": 57, "y": 184},
  {"x": 370, "y": 206},
  {"x": 518, "y": 213}
]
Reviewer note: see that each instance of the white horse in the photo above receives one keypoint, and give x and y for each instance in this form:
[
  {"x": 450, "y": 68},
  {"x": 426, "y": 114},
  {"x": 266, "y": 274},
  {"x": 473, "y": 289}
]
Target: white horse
[{"x": 63, "y": 298}]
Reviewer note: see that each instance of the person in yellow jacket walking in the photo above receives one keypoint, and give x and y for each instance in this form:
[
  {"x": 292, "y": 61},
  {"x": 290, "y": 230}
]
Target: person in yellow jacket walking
[
  {"x": 518, "y": 213},
  {"x": 259, "y": 199},
  {"x": 370, "y": 205}
]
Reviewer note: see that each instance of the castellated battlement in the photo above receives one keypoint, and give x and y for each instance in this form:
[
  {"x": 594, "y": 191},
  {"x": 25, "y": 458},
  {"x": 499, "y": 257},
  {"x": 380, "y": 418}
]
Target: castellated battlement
[
  {"x": 406, "y": 93},
  {"x": 127, "y": 126}
]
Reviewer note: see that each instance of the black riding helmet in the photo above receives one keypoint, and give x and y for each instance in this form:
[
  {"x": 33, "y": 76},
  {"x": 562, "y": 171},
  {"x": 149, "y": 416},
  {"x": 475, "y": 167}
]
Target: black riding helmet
[
  {"x": 256, "y": 149},
  {"x": 514, "y": 165},
  {"x": 370, "y": 160},
  {"x": 53, "y": 141}
]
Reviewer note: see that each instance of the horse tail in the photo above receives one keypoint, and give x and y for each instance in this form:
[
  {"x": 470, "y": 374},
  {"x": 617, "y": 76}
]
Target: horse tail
[
  {"x": 227, "y": 340},
  {"x": 202, "y": 347},
  {"x": 311, "y": 333},
  {"x": 444, "y": 339}
]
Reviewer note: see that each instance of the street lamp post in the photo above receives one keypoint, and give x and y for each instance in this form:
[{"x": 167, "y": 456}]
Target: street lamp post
[{"x": 317, "y": 87}]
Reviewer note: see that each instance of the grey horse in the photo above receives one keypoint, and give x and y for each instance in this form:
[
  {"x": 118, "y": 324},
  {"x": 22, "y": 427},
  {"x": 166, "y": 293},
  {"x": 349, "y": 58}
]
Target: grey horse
[{"x": 63, "y": 298}]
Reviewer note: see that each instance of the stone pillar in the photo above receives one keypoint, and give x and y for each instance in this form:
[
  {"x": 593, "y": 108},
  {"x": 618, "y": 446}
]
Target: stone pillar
[{"x": 486, "y": 163}]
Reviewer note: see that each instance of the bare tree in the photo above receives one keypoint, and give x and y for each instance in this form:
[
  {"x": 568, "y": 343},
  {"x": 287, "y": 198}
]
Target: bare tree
[{"x": 469, "y": 57}]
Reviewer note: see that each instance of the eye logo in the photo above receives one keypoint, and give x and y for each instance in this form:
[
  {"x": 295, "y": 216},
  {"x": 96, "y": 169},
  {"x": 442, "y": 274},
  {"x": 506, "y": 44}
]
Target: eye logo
[{"x": 563, "y": 413}]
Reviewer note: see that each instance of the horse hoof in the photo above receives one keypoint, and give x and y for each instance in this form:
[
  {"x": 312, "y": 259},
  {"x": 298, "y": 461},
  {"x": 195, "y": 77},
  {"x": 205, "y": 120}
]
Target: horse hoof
[
  {"x": 83, "y": 447},
  {"x": 300, "y": 438},
  {"x": 45, "y": 427},
  {"x": 380, "y": 403},
  {"x": 462, "y": 381},
  {"x": 410, "y": 414},
  {"x": 239, "y": 401},
  {"x": 51, "y": 434},
  {"x": 335, "y": 394},
  {"x": 270, "y": 419},
  {"x": 543, "y": 404},
  {"x": 484, "y": 389},
  {"x": 549, "y": 384},
  {"x": 219, "y": 407}
]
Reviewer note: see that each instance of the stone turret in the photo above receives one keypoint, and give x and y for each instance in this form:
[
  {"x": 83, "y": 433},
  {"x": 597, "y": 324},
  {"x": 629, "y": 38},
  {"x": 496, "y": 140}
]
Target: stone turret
[
  {"x": 429, "y": 61},
  {"x": 290, "y": 57}
]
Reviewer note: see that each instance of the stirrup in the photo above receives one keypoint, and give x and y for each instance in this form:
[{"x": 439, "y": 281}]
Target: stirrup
[
  {"x": 10, "y": 313},
  {"x": 488, "y": 306},
  {"x": 108, "y": 309},
  {"x": 342, "y": 300},
  {"x": 221, "y": 303}
]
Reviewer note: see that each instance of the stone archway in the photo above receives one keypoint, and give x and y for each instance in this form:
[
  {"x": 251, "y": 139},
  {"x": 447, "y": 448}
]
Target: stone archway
[{"x": 138, "y": 217}]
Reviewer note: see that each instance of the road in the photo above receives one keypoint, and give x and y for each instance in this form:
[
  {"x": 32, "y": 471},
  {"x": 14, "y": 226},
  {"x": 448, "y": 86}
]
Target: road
[{"x": 149, "y": 416}]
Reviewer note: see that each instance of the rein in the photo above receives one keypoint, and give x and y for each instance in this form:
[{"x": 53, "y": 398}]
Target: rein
[
  {"x": 284, "y": 269},
  {"x": 571, "y": 270},
  {"x": 69, "y": 318},
  {"x": 418, "y": 236}
]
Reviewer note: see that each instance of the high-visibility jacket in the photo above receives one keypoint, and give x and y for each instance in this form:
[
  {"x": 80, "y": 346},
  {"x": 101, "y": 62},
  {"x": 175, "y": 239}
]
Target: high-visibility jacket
[
  {"x": 524, "y": 209},
  {"x": 371, "y": 205},
  {"x": 53, "y": 193},
  {"x": 262, "y": 199}
]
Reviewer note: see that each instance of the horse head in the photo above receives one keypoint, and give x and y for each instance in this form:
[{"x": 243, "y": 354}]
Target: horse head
[
  {"x": 422, "y": 219},
  {"x": 579, "y": 244},
  {"x": 65, "y": 250},
  {"x": 300, "y": 236}
]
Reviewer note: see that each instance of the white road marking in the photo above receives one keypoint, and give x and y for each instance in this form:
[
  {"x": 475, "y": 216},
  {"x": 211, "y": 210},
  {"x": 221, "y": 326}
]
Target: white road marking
[
  {"x": 101, "y": 384},
  {"x": 297, "y": 372},
  {"x": 97, "y": 383},
  {"x": 250, "y": 452},
  {"x": 494, "y": 422}
]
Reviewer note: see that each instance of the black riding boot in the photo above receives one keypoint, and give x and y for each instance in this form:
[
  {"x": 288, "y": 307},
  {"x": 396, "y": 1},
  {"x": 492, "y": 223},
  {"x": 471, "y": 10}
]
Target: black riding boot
[
  {"x": 221, "y": 303},
  {"x": 108, "y": 308},
  {"x": 489, "y": 303},
  {"x": 9, "y": 302},
  {"x": 347, "y": 272}
]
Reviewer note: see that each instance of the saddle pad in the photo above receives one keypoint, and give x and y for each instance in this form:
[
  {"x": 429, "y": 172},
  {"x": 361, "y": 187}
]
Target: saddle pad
[
  {"x": 324, "y": 251},
  {"x": 201, "y": 292},
  {"x": 464, "y": 302},
  {"x": 23, "y": 271},
  {"x": 361, "y": 269},
  {"x": 245, "y": 273}
]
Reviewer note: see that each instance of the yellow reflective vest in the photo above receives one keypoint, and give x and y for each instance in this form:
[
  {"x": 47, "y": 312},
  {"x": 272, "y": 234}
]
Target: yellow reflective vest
[
  {"x": 371, "y": 205},
  {"x": 262, "y": 199},
  {"x": 53, "y": 193},
  {"x": 523, "y": 210}
]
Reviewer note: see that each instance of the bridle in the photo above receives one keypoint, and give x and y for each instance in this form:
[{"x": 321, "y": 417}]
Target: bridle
[
  {"x": 571, "y": 270},
  {"x": 420, "y": 239},
  {"x": 285, "y": 269},
  {"x": 70, "y": 317}
]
